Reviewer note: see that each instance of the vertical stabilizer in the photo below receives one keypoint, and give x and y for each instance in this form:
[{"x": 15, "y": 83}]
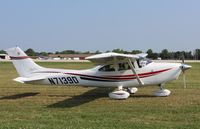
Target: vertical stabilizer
[{"x": 23, "y": 64}]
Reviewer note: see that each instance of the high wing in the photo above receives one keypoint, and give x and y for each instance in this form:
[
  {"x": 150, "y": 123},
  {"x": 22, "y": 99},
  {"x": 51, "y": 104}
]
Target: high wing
[
  {"x": 111, "y": 57},
  {"x": 106, "y": 58}
]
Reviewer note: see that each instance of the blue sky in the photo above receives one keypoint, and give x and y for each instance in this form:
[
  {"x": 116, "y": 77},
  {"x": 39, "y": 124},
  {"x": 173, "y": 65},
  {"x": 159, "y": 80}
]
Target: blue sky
[{"x": 51, "y": 25}]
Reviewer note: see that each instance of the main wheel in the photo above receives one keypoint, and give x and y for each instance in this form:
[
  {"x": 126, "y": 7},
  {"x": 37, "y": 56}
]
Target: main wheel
[{"x": 120, "y": 94}]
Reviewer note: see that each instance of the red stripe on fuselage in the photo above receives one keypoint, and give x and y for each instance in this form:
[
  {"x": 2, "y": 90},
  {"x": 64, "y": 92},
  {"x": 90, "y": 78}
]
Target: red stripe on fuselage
[
  {"x": 123, "y": 77},
  {"x": 118, "y": 77},
  {"x": 142, "y": 74}
]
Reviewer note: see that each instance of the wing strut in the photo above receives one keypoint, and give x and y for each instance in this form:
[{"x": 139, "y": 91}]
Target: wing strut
[{"x": 133, "y": 69}]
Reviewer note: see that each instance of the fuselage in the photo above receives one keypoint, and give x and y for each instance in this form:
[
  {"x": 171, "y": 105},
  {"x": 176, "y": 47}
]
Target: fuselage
[{"x": 150, "y": 74}]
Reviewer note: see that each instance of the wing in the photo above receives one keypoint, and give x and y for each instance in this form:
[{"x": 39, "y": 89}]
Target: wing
[{"x": 106, "y": 58}]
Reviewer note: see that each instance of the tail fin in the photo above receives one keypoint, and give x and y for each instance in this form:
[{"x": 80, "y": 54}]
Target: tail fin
[{"x": 23, "y": 64}]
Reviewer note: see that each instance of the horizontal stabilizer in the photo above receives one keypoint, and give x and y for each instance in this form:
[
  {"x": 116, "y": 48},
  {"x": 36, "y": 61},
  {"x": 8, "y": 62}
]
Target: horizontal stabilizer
[{"x": 30, "y": 79}]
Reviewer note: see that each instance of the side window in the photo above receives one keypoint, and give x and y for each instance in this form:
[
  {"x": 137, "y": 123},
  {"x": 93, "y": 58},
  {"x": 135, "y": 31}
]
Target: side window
[
  {"x": 107, "y": 68},
  {"x": 123, "y": 66}
]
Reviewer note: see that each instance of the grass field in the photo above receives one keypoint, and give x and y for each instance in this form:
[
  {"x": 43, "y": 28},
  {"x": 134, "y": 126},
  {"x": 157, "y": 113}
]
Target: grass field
[{"x": 36, "y": 106}]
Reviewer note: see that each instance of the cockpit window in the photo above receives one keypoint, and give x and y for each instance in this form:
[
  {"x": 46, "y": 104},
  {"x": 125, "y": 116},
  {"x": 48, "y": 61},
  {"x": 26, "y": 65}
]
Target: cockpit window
[
  {"x": 125, "y": 66},
  {"x": 107, "y": 68}
]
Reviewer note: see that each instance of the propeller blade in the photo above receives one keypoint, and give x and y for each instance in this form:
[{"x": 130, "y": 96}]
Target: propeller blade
[
  {"x": 184, "y": 80},
  {"x": 183, "y": 61},
  {"x": 183, "y": 58},
  {"x": 184, "y": 67}
]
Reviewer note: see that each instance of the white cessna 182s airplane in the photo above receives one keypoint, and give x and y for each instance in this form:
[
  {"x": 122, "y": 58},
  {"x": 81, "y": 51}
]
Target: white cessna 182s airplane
[{"x": 121, "y": 71}]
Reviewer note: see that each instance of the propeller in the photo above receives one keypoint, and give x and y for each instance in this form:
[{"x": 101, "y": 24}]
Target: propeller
[
  {"x": 184, "y": 67},
  {"x": 184, "y": 81}
]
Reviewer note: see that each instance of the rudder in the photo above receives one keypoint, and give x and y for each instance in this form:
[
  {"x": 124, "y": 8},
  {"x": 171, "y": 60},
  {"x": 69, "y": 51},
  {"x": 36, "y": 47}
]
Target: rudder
[{"x": 23, "y": 63}]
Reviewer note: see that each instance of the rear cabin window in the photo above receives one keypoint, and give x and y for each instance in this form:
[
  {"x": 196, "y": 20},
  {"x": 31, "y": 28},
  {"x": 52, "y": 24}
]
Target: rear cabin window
[{"x": 107, "y": 68}]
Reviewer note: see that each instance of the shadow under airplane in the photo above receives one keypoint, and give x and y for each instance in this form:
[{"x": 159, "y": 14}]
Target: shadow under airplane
[
  {"x": 142, "y": 96},
  {"x": 19, "y": 96},
  {"x": 86, "y": 97}
]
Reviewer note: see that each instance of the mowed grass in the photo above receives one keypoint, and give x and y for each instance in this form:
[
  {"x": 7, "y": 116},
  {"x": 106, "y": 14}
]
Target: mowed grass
[{"x": 38, "y": 106}]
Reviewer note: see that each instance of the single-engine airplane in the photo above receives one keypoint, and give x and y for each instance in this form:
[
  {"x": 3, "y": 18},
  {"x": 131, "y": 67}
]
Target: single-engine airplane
[{"x": 124, "y": 72}]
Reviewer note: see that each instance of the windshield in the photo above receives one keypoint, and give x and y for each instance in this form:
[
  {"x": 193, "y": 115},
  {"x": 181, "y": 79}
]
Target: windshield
[{"x": 143, "y": 62}]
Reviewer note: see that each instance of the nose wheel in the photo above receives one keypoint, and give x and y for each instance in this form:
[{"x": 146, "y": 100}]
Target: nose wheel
[{"x": 162, "y": 92}]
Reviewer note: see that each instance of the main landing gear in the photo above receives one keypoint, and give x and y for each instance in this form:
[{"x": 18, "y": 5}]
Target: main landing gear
[
  {"x": 162, "y": 92},
  {"x": 122, "y": 94}
]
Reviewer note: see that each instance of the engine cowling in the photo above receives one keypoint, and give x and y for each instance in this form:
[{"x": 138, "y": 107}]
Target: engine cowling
[{"x": 119, "y": 95}]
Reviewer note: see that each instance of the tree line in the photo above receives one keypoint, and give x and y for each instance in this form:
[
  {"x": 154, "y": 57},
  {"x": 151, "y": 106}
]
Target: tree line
[{"x": 164, "y": 54}]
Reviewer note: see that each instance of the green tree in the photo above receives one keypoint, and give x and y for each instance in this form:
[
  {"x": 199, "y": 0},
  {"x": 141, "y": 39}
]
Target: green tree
[
  {"x": 86, "y": 52},
  {"x": 30, "y": 52},
  {"x": 155, "y": 56},
  {"x": 57, "y": 52},
  {"x": 165, "y": 54},
  {"x": 127, "y": 52},
  {"x": 68, "y": 52},
  {"x": 150, "y": 53},
  {"x": 177, "y": 55},
  {"x": 136, "y": 51},
  {"x": 97, "y": 52},
  {"x": 43, "y": 54},
  {"x": 2, "y": 52},
  {"x": 197, "y": 54},
  {"x": 118, "y": 50}
]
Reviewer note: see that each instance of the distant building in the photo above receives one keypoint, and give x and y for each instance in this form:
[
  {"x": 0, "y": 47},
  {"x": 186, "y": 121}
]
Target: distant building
[
  {"x": 4, "y": 57},
  {"x": 159, "y": 58},
  {"x": 69, "y": 56}
]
